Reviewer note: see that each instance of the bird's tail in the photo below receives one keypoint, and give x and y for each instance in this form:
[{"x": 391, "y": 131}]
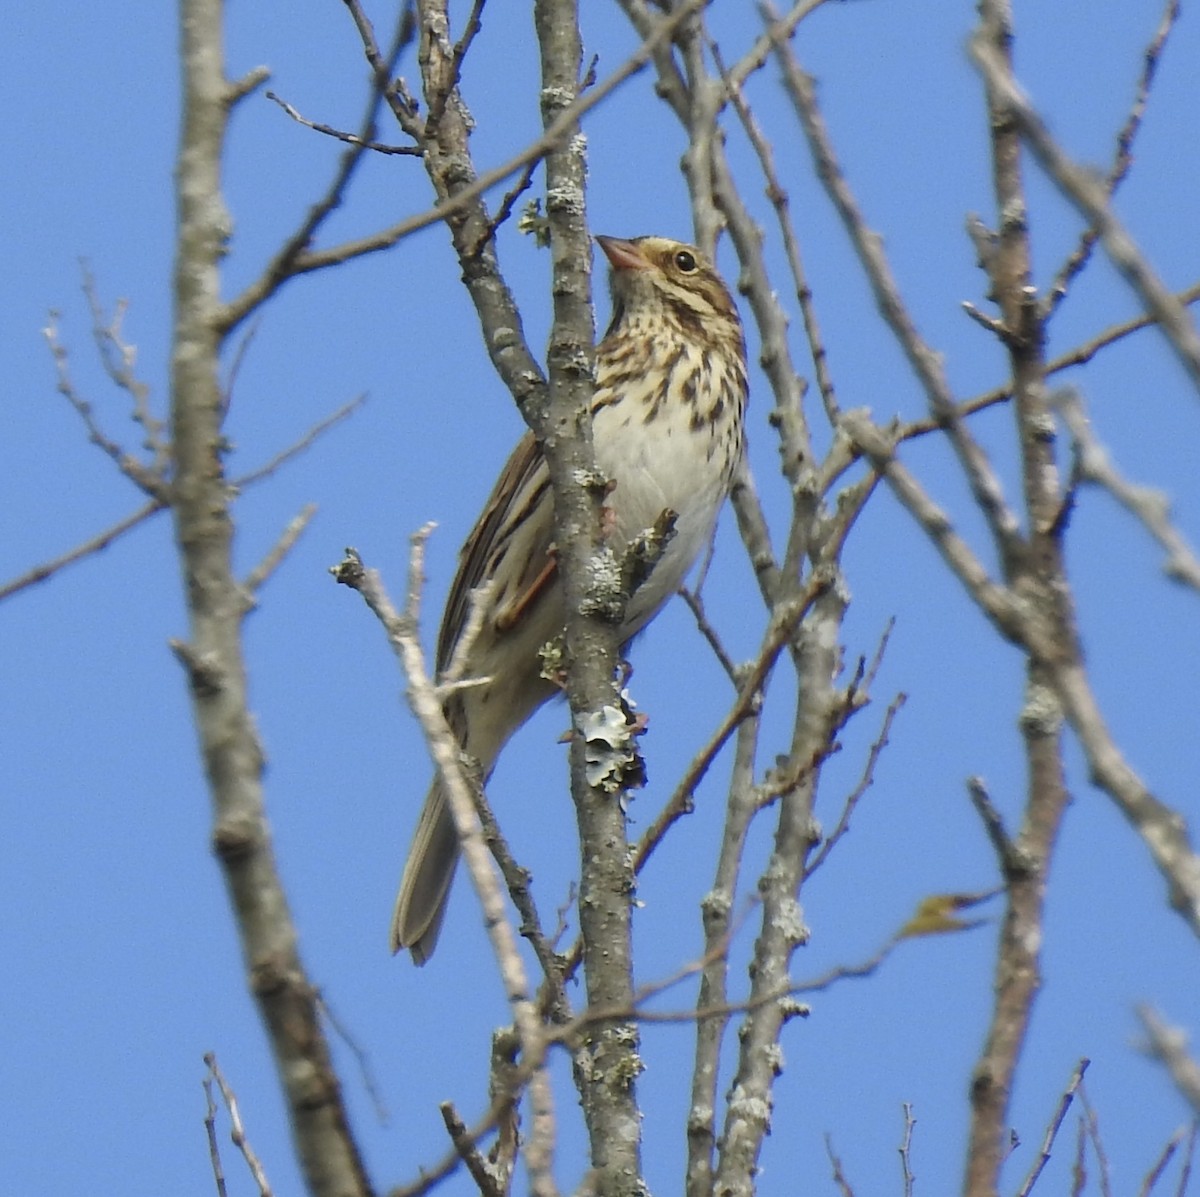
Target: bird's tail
[{"x": 425, "y": 885}]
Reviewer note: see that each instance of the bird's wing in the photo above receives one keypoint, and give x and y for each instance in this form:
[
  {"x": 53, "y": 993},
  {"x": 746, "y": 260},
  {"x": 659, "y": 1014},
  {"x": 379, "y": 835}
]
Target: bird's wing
[{"x": 517, "y": 520}]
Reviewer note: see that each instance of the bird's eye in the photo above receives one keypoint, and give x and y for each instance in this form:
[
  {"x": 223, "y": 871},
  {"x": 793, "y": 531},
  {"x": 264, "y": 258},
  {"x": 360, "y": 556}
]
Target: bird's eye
[{"x": 685, "y": 261}]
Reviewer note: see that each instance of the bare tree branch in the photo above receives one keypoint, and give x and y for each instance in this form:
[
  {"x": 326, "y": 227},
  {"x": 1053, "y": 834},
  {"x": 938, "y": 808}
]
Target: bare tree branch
[
  {"x": 1079, "y": 356},
  {"x": 784, "y": 620},
  {"x": 1035, "y": 576},
  {"x": 1090, "y": 198},
  {"x": 780, "y": 202},
  {"x": 481, "y": 1171},
  {"x": 1168, "y": 1045},
  {"x": 119, "y": 358},
  {"x": 1123, "y": 159},
  {"x": 926, "y": 364},
  {"x": 147, "y": 477},
  {"x": 295, "y": 259},
  {"x": 993, "y": 598},
  {"x": 1162, "y": 829},
  {"x": 1151, "y": 508},
  {"x": 289, "y": 259},
  {"x": 403, "y": 636},
  {"x": 213, "y": 655}
]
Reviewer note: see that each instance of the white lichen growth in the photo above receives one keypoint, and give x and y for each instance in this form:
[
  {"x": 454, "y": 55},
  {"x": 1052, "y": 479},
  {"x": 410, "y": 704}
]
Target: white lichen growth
[{"x": 610, "y": 752}]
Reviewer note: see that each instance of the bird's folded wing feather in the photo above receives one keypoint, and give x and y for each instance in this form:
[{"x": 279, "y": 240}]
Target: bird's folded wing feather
[{"x": 517, "y": 524}]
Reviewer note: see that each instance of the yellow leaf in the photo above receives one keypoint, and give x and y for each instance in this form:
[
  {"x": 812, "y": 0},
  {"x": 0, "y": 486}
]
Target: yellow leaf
[{"x": 939, "y": 913}]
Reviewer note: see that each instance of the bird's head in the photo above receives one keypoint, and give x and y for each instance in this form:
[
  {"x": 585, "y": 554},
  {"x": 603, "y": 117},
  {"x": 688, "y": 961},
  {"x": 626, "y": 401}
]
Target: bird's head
[{"x": 655, "y": 280}]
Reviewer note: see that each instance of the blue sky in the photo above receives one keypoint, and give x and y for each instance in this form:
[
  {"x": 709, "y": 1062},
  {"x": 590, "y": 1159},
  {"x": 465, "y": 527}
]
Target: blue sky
[{"x": 122, "y": 967}]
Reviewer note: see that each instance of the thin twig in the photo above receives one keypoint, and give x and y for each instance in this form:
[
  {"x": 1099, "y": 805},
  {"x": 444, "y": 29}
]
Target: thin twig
[
  {"x": 553, "y": 999},
  {"x": 872, "y": 671},
  {"x": 783, "y": 27},
  {"x": 1064, "y": 1104},
  {"x": 144, "y": 476},
  {"x": 469, "y": 1153},
  {"x": 210, "y": 1130},
  {"x": 1088, "y": 196},
  {"x": 101, "y": 541},
  {"x": 926, "y": 364},
  {"x": 451, "y": 677},
  {"x": 695, "y": 604},
  {"x": 237, "y": 1130},
  {"x": 39, "y": 573},
  {"x": 645, "y": 993},
  {"x": 470, "y": 32},
  {"x": 716, "y": 908},
  {"x": 1007, "y": 854},
  {"x": 403, "y": 635},
  {"x": 839, "y": 1177},
  {"x": 1170, "y": 1147},
  {"x": 432, "y": 1176},
  {"x": 297, "y": 447},
  {"x": 259, "y": 575},
  {"x": 866, "y": 780},
  {"x": 286, "y": 262},
  {"x": 1122, "y": 161},
  {"x": 992, "y": 324},
  {"x": 783, "y": 624},
  {"x": 914, "y": 928},
  {"x": 1185, "y": 1173},
  {"x": 504, "y": 211},
  {"x": 1161, "y": 828},
  {"x": 247, "y": 85},
  {"x": 780, "y": 201},
  {"x": 1079, "y": 356},
  {"x": 1152, "y": 508},
  {"x": 1168, "y": 1045},
  {"x": 1091, "y": 1122},
  {"x": 365, "y": 1072},
  {"x": 906, "y": 1150},
  {"x": 240, "y": 353},
  {"x": 119, "y": 358},
  {"x": 354, "y": 139},
  {"x": 1079, "y": 1163},
  {"x": 294, "y": 259},
  {"x": 994, "y": 599}
]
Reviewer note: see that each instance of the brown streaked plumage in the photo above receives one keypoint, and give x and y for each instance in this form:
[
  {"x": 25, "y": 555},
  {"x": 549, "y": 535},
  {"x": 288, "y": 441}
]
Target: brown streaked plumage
[{"x": 667, "y": 429}]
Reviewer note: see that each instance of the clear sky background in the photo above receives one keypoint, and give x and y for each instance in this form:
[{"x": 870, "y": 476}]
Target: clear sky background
[{"x": 121, "y": 967}]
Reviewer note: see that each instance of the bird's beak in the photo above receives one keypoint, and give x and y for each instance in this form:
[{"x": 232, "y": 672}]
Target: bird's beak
[{"x": 624, "y": 255}]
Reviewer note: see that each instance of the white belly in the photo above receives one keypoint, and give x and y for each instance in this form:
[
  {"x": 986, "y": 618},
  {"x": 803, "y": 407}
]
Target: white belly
[{"x": 661, "y": 465}]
